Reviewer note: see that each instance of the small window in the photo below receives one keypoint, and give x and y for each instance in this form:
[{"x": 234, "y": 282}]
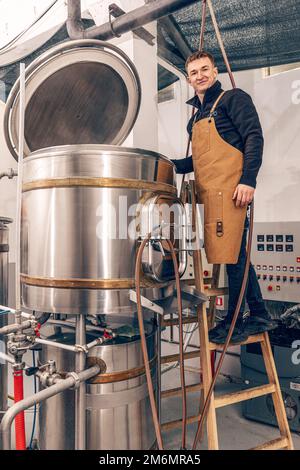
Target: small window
[{"x": 276, "y": 69}]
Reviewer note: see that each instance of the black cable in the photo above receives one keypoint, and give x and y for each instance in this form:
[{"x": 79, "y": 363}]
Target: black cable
[{"x": 35, "y": 407}]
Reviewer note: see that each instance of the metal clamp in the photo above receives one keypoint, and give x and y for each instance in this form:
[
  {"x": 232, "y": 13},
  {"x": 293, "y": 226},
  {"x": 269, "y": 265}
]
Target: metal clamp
[
  {"x": 76, "y": 378},
  {"x": 111, "y": 23}
]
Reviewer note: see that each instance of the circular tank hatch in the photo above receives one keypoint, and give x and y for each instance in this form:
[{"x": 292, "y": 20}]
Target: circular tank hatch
[{"x": 79, "y": 92}]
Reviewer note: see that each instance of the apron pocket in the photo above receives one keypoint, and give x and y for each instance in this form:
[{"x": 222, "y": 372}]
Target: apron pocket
[{"x": 213, "y": 205}]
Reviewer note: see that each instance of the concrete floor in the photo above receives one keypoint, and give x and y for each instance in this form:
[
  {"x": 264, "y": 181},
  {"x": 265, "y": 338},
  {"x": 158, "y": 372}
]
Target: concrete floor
[{"x": 234, "y": 431}]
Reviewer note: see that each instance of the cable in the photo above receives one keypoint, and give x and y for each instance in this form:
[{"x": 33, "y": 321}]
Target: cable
[
  {"x": 35, "y": 406},
  {"x": 138, "y": 273}
]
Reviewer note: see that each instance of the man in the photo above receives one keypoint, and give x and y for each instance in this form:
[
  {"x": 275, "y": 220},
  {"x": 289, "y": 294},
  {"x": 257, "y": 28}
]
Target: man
[{"x": 227, "y": 147}]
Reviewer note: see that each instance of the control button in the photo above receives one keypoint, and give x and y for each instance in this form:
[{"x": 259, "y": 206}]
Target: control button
[
  {"x": 279, "y": 238},
  {"x": 258, "y": 277},
  {"x": 291, "y": 278},
  {"x": 270, "y": 268},
  {"x": 260, "y": 238},
  {"x": 277, "y": 268},
  {"x": 279, "y": 247},
  {"x": 258, "y": 267},
  {"x": 205, "y": 273},
  {"x": 277, "y": 288},
  {"x": 284, "y": 278},
  {"x": 264, "y": 277},
  {"x": 298, "y": 259},
  {"x": 260, "y": 247},
  {"x": 284, "y": 268},
  {"x": 270, "y": 238},
  {"x": 298, "y": 280},
  {"x": 289, "y": 248},
  {"x": 264, "y": 267},
  {"x": 292, "y": 269},
  {"x": 277, "y": 278},
  {"x": 289, "y": 238},
  {"x": 298, "y": 269},
  {"x": 270, "y": 247},
  {"x": 270, "y": 277},
  {"x": 270, "y": 288}
]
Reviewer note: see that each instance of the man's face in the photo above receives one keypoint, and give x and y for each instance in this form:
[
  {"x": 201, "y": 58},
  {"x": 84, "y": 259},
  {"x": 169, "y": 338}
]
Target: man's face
[{"x": 201, "y": 74}]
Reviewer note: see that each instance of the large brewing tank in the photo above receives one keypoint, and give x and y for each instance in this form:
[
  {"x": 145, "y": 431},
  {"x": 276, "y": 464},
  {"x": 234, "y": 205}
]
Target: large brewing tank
[
  {"x": 77, "y": 255},
  {"x": 82, "y": 96},
  {"x": 118, "y": 412},
  {"x": 4, "y": 250}
]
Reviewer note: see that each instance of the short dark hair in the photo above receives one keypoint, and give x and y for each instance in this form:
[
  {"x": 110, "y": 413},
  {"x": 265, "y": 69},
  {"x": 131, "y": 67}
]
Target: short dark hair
[{"x": 199, "y": 55}]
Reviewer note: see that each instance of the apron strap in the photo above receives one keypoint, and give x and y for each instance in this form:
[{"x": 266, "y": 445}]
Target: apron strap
[{"x": 215, "y": 104}]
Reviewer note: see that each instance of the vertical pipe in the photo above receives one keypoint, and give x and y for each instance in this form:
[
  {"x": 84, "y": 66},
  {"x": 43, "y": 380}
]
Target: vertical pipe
[
  {"x": 158, "y": 390},
  {"x": 80, "y": 395},
  {"x": 20, "y": 419},
  {"x": 4, "y": 249},
  {"x": 19, "y": 188}
]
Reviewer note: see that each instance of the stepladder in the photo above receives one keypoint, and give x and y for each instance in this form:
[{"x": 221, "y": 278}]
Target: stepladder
[{"x": 205, "y": 320}]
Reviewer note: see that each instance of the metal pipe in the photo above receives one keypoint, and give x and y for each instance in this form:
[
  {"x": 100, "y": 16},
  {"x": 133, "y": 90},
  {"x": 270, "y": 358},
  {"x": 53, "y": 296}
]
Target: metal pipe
[
  {"x": 80, "y": 394},
  {"x": 60, "y": 386},
  {"x": 127, "y": 22},
  {"x": 10, "y": 174},
  {"x": 19, "y": 188},
  {"x": 5, "y": 330},
  {"x": 11, "y": 310},
  {"x": 57, "y": 345},
  {"x": 7, "y": 358}
]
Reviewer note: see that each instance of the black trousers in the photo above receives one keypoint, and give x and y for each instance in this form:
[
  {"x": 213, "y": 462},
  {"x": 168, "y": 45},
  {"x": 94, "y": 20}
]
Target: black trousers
[{"x": 235, "y": 273}]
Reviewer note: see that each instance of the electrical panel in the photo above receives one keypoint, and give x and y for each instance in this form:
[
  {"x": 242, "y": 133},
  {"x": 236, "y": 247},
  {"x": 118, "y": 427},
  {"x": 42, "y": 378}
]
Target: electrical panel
[{"x": 275, "y": 256}]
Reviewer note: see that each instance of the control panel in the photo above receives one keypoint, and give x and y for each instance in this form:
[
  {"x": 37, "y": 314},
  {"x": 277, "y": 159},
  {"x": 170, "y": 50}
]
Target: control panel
[{"x": 275, "y": 256}]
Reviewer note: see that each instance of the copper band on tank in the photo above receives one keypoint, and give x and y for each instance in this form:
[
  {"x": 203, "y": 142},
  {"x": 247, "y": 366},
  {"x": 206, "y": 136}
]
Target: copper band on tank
[
  {"x": 99, "y": 183},
  {"x": 76, "y": 283},
  {"x": 122, "y": 375}
]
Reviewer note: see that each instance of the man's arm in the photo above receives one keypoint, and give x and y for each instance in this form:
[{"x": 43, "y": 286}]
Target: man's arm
[
  {"x": 244, "y": 117},
  {"x": 243, "y": 114},
  {"x": 184, "y": 165}
]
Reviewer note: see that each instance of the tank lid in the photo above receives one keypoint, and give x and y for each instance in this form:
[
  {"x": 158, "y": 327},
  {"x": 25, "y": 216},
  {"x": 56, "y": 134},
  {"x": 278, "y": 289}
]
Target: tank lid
[{"x": 78, "y": 92}]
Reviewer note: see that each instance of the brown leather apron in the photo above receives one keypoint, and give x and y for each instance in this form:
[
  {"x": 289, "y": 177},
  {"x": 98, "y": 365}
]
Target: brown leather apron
[{"x": 218, "y": 168}]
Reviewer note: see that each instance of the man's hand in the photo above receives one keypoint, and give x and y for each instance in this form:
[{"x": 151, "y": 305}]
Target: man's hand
[{"x": 243, "y": 195}]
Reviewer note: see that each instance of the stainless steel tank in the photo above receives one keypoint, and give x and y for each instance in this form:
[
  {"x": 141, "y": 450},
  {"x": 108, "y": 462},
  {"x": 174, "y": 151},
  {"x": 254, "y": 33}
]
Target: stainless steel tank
[
  {"x": 77, "y": 251},
  {"x": 4, "y": 250},
  {"x": 118, "y": 412}
]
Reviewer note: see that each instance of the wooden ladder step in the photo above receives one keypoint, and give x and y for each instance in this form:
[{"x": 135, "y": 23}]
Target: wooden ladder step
[
  {"x": 275, "y": 444},
  {"x": 252, "y": 339},
  {"x": 178, "y": 423},
  {"x": 174, "y": 392},
  {"x": 175, "y": 321},
  {"x": 236, "y": 397},
  {"x": 175, "y": 357}
]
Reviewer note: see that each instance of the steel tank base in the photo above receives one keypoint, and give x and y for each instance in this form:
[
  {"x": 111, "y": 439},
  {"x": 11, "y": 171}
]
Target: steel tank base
[{"x": 118, "y": 411}]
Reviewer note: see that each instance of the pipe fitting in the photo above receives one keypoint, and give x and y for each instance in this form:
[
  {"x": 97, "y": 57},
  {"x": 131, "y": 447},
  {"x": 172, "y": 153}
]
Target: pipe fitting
[{"x": 76, "y": 380}]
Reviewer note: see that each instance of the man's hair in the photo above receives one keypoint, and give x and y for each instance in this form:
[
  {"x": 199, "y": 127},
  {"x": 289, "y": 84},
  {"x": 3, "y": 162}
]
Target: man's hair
[{"x": 199, "y": 55}]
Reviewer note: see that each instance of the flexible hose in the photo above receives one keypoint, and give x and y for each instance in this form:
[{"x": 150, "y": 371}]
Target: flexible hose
[
  {"x": 20, "y": 418},
  {"x": 144, "y": 343},
  {"x": 230, "y": 332}
]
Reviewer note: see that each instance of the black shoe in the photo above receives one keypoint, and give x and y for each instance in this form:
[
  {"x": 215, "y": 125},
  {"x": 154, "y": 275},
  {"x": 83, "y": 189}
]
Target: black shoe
[
  {"x": 255, "y": 325},
  {"x": 238, "y": 336},
  {"x": 219, "y": 334},
  {"x": 221, "y": 329}
]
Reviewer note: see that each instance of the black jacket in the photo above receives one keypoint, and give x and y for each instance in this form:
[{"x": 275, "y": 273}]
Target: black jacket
[{"x": 237, "y": 123}]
